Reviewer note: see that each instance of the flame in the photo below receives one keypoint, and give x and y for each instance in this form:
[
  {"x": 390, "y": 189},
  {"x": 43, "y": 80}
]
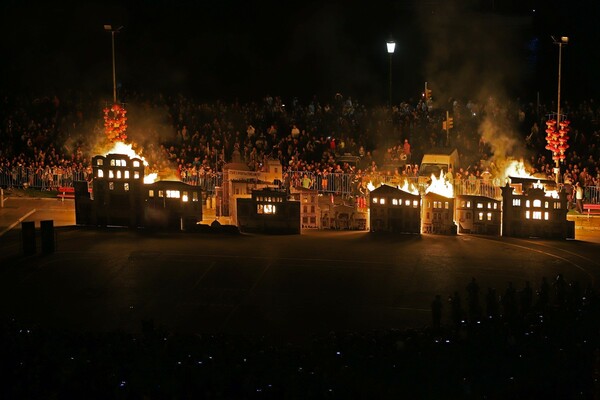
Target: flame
[
  {"x": 127, "y": 149},
  {"x": 370, "y": 186},
  {"x": 517, "y": 169},
  {"x": 409, "y": 187},
  {"x": 440, "y": 186}
]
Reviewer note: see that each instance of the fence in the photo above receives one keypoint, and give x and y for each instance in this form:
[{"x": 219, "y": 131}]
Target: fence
[{"x": 334, "y": 183}]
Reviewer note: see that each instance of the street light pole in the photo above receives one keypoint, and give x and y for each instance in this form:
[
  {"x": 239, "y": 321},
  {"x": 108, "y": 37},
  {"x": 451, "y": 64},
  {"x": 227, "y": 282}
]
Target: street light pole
[
  {"x": 562, "y": 42},
  {"x": 391, "y": 46},
  {"x": 114, "y": 69}
]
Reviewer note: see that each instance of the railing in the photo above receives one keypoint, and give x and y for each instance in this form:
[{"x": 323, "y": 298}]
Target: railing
[{"x": 335, "y": 183}]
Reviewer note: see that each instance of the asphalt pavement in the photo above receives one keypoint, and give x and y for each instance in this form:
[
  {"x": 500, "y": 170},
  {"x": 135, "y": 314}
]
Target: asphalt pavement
[{"x": 295, "y": 285}]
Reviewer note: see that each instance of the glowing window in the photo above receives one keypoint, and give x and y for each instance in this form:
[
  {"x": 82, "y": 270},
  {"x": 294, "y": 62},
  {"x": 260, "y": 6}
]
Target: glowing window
[
  {"x": 126, "y": 174},
  {"x": 546, "y": 215},
  {"x": 111, "y": 173},
  {"x": 489, "y": 216},
  {"x": 126, "y": 186},
  {"x": 161, "y": 193},
  {"x": 382, "y": 200},
  {"x": 489, "y": 205},
  {"x": 260, "y": 209},
  {"x": 395, "y": 202},
  {"x": 537, "y": 203},
  {"x": 100, "y": 173},
  {"x": 150, "y": 193},
  {"x": 194, "y": 196},
  {"x": 495, "y": 206},
  {"x": 112, "y": 163},
  {"x": 479, "y": 205},
  {"x": 100, "y": 162},
  {"x": 527, "y": 214},
  {"x": 415, "y": 203},
  {"x": 480, "y": 216},
  {"x": 527, "y": 204},
  {"x": 111, "y": 186},
  {"x": 136, "y": 175},
  {"x": 557, "y": 205},
  {"x": 118, "y": 174},
  {"x": 468, "y": 204},
  {"x": 517, "y": 202},
  {"x": 173, "y": 194},
  {"x": 375, "y": 200},
  {"x": 269, "y": 209},
  {"x": 407, "y": 203},
  {"x": 136, "y": 163},
  {"x": 184, "y": 196},
  {"x": 545, "y": 204},
  {"x": 462, "y": 204},
  {"x": 446, "y": 205},
  {"x": 537, "y": 215}
]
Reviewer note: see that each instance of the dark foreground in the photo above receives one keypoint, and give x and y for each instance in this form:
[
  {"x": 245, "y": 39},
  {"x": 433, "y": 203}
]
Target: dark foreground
[{"x": 550, "y": 352}]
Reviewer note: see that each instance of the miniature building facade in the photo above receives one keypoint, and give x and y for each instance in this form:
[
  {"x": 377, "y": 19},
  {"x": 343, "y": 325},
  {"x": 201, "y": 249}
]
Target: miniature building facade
[
  {"x": 309, "y": 207},
  {"x": 478, "y": 215},
  {"x": 172, "y": 204},
  {"x": 268, "y": 211},
  {"x": 532, "y": 213},
  {"x": 438, "y": 214},
  {"x": 394, "y": 210}
]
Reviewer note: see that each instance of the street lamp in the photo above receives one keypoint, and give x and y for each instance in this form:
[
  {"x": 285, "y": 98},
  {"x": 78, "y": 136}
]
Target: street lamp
[
  {"x": 564, "y": 40},
  {"x": 112, "y": 31},
  {"x": 391, "y": 46}
]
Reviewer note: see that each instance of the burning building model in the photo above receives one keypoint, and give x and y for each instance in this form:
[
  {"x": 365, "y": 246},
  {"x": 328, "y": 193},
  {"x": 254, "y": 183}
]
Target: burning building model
[
  {"x": 533, "y": 208},
  {"x": 268, "y": 211},
  {"x": 394, "y": 210},
  {"x": 478, "y": 215}
]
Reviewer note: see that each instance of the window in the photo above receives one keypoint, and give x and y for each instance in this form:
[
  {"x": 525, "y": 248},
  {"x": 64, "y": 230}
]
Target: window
[
  {"x": 446, "y": 205},
  {"x": 305, "y": 209},
  {"x": 468, "y": 204},
  {"x": 100, "y": 173},
  {"x": 546, "y": 215},
  {"x": 184, "y": 196},
  {"x": 173, "y": 194},
  {"x": 415, "y": 203},
  {"x": 479, "y": 205},
  {"x": 136, "y": 164},
  {"x": 375, "y": 200},
  {"x": 126, "y": 186},
  {"x": 194, "y": 196},
  {"x": 489, "y": 216},
  {"x": 161, "y": 193},
  {"x": 527, "y": 203},
  {"x": 537, "y": 215},
  {"x": 489, "y": 205},
  {"x": 111, "y": 186},
  {"x": 111, "y": 174},
  {"x": 495, "y": 206},
  {"x": 537, "y": 203},
  {"x": 557, "y": 205},
  {"x": 100, "y": 162},
  {"x": 462, "y": 204},
  {"x": 269, "y": 209},
  {"x": 516, "y": 202},
  {"x": 382, "y": 200},
  {"x": 150, "y": 193},
  {"x": 112, "y": 163},
  {"x": 480, "y": 216},
  {"x": 126, "y": 174},
  {"x": 136, "y": 175},
  {"x": 527, "y": 214},
  {"x": 118, "y": 174},
  {"x": 545, "y": 204},
  {"x": 395, "y": 202}
]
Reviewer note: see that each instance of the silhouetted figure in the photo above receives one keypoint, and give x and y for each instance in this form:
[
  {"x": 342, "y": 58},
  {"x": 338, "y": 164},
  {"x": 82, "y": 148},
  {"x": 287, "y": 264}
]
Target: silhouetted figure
[
  {"x": 543, "y": 294},
  {"x": 560, "y": 289},
  {"x": 436, "y": 311},
  {"x": 457, "y": 312},
  {"x": 509, "y": 302},
  {"x": 473, "y": 300},
  {"x": 491, "y": 301},
  {"x": 526, "y": 297}
]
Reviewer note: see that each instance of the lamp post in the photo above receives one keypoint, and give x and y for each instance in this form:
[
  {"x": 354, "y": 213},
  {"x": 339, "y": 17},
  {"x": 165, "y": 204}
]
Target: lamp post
[
  {"x": 391, "y": 46},
  {"x": 112, "y": 31},
  {"x": 564, "y": 40}
]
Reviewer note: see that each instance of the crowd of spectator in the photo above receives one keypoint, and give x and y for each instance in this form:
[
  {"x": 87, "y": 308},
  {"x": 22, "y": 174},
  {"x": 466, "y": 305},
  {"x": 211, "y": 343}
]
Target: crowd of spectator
[
  {"x": 54, "y": 137},
  {"x": 526, "y": 342}
]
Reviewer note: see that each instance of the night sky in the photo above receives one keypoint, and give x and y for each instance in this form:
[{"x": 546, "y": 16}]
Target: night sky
[{"x": 232, "y": 49}]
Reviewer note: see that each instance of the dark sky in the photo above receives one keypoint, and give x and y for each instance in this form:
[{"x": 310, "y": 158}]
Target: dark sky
[{"x": 226, "y": 49}]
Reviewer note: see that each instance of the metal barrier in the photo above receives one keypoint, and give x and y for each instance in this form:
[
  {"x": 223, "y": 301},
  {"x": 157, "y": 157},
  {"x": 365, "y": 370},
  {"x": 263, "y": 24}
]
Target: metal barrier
[{"x": 332, "y": 183}]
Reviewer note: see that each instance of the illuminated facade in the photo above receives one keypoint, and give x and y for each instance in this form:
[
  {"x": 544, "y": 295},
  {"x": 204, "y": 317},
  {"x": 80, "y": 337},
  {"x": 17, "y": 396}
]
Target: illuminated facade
[
  {"x": 310, "y": 211},
  {"x": 438, "y": 214},
  {"x": 268, "y": 211},
  {"x": 120, "y": 197},
  {"x": 478, "y": 215},
  {"x": 394, "y": 210},
  {"x": 532, "y": 213}
]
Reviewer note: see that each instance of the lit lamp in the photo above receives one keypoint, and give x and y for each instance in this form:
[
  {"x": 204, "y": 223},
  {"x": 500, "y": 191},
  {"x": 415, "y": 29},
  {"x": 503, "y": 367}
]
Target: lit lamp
[{"x": 391, "y": 46}]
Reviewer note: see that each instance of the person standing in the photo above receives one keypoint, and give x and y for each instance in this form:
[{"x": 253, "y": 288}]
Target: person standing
[{"x": 579, "y": 198}]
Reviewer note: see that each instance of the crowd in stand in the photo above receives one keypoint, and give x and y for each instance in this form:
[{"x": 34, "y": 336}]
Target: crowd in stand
[
  {"x": 55, "y": 137},
  {"x": 528, "y": 342}
]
